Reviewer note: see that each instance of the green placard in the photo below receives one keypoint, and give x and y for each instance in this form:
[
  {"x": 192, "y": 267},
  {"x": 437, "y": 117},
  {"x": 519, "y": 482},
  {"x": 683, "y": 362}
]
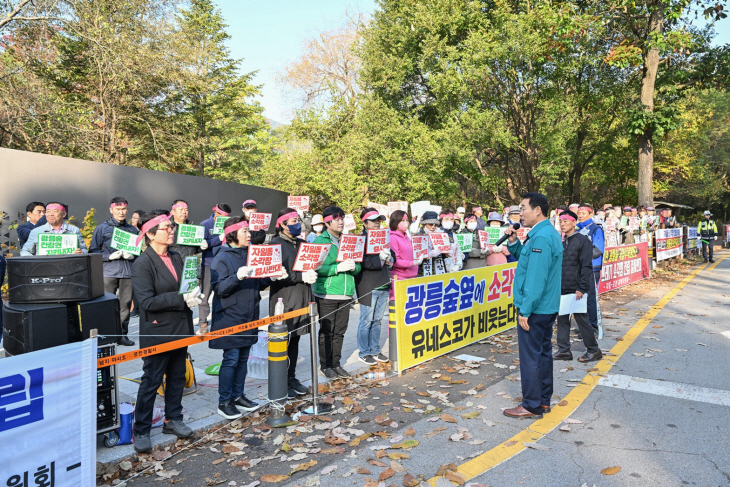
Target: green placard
[
  {"x": 124, "y": 241},
  {"x": 218, "y": 227},
  {"x": 190, "y": 235},
  {"x": 190, "y": 274},
  {"x": 465, "y": 241},
  {"x": 57, "y": 244},
  {"x": 494, "y": 234}
]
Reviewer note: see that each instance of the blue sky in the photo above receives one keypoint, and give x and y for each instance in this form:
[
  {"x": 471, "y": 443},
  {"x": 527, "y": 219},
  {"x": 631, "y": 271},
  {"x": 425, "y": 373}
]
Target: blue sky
[{"x": 270, "y": 35}]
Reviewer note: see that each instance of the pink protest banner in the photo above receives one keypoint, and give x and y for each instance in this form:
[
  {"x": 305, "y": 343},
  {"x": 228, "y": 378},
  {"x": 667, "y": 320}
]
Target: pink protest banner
[
  {"x": 265, "y": 260},
  {"x": 440, "y": 241},
  {"x": 310, "y": 256},
  {"x": 420, "y": 246},
  {"x": 483, "y": 239},
  {"x": 298, "y": 202},
  {"x": 350, "y": 222},
  {"x": 259, "y": 221},
  {"x": 377, "y": 241},
  {"x": 352, "y": 247},
  {"x": 397, "y": 205}
]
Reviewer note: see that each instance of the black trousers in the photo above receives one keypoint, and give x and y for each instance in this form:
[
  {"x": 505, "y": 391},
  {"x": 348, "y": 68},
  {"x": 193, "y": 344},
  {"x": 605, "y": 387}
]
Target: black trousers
[
  {"x": 123, "y": 289},
  {"x": 536, "y": 361},
  {"x": 334, "y": 315},
  {"x": 292, "y": 352},
  {"x": 709, "y": 246},
  {"x": 172, "y": 364},
  {"x": 586, "y": 331},
  {"x": 206, "y": 288},
  {"x": 593, "y": 299}
]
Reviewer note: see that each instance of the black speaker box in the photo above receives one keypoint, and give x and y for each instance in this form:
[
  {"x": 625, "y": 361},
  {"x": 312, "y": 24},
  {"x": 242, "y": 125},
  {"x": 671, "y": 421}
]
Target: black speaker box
[
  {"x": 101, "y": 313},
  {"x": 55, "y": 278},
  {"x": 31, "y": 327}
]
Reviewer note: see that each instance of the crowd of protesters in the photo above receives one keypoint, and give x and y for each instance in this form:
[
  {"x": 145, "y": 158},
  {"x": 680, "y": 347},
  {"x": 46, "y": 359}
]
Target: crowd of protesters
[{"x": 565, "y": 250}]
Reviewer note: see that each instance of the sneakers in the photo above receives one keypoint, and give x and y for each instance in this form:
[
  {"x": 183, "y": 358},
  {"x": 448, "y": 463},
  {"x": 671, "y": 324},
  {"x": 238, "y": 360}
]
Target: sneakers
[
  {"x": 330, "y": 373},
  {"x": 126, "y": 342},
  {"x": 341, "y": 372},
  {"x": 177, "y": 428},
  {"x": 228, "y": 410},
  {"x": 203, "y": 329},
  {"x": 381, "y": 358},
  {"x": 297, "y": 386},
  {"x": 142, "y": 443},
  {"x": 368, "y": 360},
  {"x": 244, "y": 404}
]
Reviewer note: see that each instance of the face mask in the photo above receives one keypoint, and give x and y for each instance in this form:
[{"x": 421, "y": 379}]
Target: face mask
[
  {"x": 447, "y": 225},
  {"x": 295, "y": 229},
  {"x": 471, "y": 226},
  {"x": 403, "y": 227},
  {"x": 318, "y": 228}
]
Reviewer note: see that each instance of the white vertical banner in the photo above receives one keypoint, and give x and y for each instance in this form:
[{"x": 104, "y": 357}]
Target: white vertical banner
[{"x": 48, "y": 416}]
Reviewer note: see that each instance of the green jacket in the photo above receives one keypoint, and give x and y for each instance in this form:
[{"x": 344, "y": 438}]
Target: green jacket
[
  {"x": 330, "y": 282},
  {"x": 539, "y": 271}
]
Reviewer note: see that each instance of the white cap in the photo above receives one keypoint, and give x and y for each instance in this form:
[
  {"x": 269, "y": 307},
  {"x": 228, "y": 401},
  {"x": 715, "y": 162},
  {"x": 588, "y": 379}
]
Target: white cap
[
  {"x": 460, "y": 210},
  {"x": 707, "y": 212},
  {"x": 317, "y": 219}
]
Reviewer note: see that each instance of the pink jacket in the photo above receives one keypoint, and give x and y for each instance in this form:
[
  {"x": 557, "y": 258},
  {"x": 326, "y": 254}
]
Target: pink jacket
[
  {"x": 403, "y": 267},
  {"x": 498, "y": 258}
]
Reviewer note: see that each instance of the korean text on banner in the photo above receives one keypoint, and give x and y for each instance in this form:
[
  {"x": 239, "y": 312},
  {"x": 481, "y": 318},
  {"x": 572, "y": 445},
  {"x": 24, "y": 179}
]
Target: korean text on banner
[
  {"x": 218, "y": 226},
  {"x": 49, "y": 399},
  {"x": 352, "y": 247},
  {"x": 465, "y": 241},
  {"x": 494, "y": 233},
  {"x": 310, "y": 256},
  {"x": 349, "y": 222},
  {"x": 377, "y": 241},
  {"x": 125, "y": 241},
  {"x": 381, "y": 209},
  {"x": 259, "y": 221},
  {"x": 522, "y": 233},
  {"x": 298, "y": 202},
  {"x": 693, "y": 238},
  {"x": 53, "y": 244},
  {"x": 623, "y": 265},
  {"x": 668, "y": 243},
  {"x": 440, "y": 241},
  {"x": 397, "y": 205},
  {"x": 420, "y": 246},
  {"x": 192, "y": 235},
  {"x": 438, "y": 314},
  {"x": 634, "y": 224},
  {"x": 190, "y": 274},
  {"x": 265, "y": 260}
]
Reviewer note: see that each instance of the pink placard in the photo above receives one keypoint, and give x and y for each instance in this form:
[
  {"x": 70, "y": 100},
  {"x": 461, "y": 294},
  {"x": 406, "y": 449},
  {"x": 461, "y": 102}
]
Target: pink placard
[
  {"x": 441, "y": 242},
  {"x": 352, "y": 247},
  {"x": 265, "y": 260},
  {"x": 259, "y": 221},
  {"x": 377, "y": 241},
  {"x": 420, "y": 246},
  {"x": 310, "y": 256},
  {"x": 298, "y": 202}
]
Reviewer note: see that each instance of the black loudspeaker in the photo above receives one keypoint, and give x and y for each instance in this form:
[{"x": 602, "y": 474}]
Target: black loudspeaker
[
  {"x": 55, "y": 278},
  {"x": 31, "y": 327},
  {"x": 101, "y": 313}
]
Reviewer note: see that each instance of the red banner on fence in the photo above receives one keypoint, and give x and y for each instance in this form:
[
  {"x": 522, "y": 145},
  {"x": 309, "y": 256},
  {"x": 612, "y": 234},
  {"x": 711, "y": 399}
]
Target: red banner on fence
[{"x": 624, "y": 265}]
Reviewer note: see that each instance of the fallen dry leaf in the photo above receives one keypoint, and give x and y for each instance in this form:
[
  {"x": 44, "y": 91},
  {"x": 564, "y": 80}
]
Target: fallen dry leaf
[
  {"x": 386, "y": 474},
  {"x": 472, "y": 415},
  {"x": 446, "y": 468},
  {"x": 447, "y": 418},
  {"x": 363, "y": 471},
  {"x": 511, "y": 443},
  {"x": 563, "y": 403},
  {"x": 272, "y": 478},
  {"x": 163, "y": 455},
  {"x": 304, "y": 466},
  {"x": 455, "y": 477},
  {"x": 611, "y": 470},
  {"x": 220, "y": 460},
  {"x": 377, "y": 463},
  {"x": 398, "y": 456},
  {"x": 410, "y": 481},
  {"x": 406, "y": 445},
  {"x": 409, "y": 432}
]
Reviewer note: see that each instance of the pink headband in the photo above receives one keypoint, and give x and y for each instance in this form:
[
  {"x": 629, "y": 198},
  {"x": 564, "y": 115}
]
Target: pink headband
[
  {"x": 182, "y": 205},
  {"x": 469, "y": 218},
  {"x": 224, "y": 213},
  {"x": 566, "y": 217},
  {"x": 248, "y": 201},
  {"x": 283, "y": 218},
  {"x": 235, "y": 227},
  {"x": 55, "y": 207},
  {"x": 152, "y": 223},
  {"x": 370, "y": 214},
  {"x": 329, "y": 218},
  {"x": 118, "y": 205},
  {"x": 475, "y": 208},
  {"x": 446, "y": 215},
  {"x": 585, "y": 208}
]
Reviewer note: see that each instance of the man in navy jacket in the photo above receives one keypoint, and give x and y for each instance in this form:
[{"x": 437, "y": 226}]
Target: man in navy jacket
[{"x": 36, "y": 213}]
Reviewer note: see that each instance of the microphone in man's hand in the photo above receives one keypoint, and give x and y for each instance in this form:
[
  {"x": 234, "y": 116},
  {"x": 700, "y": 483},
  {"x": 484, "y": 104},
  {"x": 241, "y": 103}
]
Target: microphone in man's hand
[{"x": 504, "y": 237}]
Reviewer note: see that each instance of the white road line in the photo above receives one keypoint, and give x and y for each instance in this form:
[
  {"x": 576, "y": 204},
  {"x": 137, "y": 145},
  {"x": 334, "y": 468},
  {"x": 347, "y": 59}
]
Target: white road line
[
  {"x": 666, "y": 388},
  {"x": 726, "y": 334}
]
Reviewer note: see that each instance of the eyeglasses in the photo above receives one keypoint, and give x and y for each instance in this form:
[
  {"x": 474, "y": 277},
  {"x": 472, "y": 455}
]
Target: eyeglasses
[{"x": 167, "y": 229}]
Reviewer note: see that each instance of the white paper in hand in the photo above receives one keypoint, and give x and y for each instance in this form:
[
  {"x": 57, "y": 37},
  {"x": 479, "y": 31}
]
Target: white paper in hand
[{"x": 570, "y": 305}]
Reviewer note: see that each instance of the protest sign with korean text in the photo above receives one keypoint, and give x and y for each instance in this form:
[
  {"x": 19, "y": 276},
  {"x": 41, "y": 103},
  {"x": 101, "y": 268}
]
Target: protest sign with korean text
[
  {"x": 192, "y": 235},
  {"x": 218, "y": 225},
  {"x": 259, "y": 221},
  {"x": 377, "y": 241},
  {"x": 298, "y": 202},
  {"x": 420, "y": 246},
  {"x": 495, "y": 233},
  {"x": 381, "y": 209},
  {"x": 189, "y": 279},
  {"x": 352, "y": 247},
  {"x": 668, "y": 243},
  {"x": 125, "y": 241},
  {"x": 57, "y": 244},
  {"x": 349, "y": 223},
  {"x": 466, "y": 241},
  {"x": 48, "y": 417},
  {"x": 397, "y": 205},
  {"x": 522, "y": 233},
  {"x": 310, "y": 256},
  {"x": 624, "y": 265},
  {"x": 693, "y": 238},
  {"x": 438, "y": 314},
  {"x": 440, "y": 241},
  {"x": 265, "y": 260}
]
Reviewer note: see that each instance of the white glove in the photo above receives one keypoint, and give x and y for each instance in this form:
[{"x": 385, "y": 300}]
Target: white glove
[
  {"x": 715, "y": 237},
  {"x": 127, "y": 255},
  {"x": 204, "y": 245},
  {"x": 434, "y": 253},
  {"x": 309, "y": 277},
  {"x": 484, "y": 251},
  {"x": 385, "y": 255},
  {"x": 449, "y": 268},
  {"x": 418, "y": 262},
  {"x": 348, "y": 265},
  {"x": 498, "y": 249},
  {"x": 244, "y": 272},
  {"x": 283, "y": 275},
  {"x": 193, "y": 298},
  {"x": 116, "y": 255}
]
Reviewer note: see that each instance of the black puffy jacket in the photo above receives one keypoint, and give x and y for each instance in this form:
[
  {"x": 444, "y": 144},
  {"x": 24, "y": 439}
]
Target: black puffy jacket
[{"x": 577, "y": 264}]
